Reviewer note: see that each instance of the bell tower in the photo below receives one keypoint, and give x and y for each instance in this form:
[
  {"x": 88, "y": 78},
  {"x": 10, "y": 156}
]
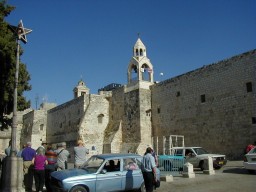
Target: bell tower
[
  {"x": 80, "y": 89},
  {"x": 137, "y": 127},
  {"x": 140, "y": 69}
]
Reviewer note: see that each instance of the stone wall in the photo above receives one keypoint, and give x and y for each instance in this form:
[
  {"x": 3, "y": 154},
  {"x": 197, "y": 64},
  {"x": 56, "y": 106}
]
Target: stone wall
[
  {"x": 210, "y": 106},
  {"x": 34, "y": 128},
  {"x": 85, "y": 117}
]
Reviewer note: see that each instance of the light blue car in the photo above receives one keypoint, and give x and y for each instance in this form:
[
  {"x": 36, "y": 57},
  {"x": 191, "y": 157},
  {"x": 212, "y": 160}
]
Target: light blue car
[{"x": 102, "y": 173}]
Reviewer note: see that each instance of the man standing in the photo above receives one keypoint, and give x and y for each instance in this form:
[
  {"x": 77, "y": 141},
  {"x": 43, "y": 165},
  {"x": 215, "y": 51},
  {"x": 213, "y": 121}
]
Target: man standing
[
  {"x": 62, "y": 156},
  {"x": 80, "y": 154},
  {"x": 28, "y": 154},
  {"x": 149, "y": 170}
]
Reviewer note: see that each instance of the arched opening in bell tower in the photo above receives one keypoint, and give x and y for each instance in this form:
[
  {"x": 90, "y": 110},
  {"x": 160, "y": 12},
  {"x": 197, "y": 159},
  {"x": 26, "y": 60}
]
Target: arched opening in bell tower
[
  {"x": 134, "y": 73},
  {"x": 145, "y": 72}
]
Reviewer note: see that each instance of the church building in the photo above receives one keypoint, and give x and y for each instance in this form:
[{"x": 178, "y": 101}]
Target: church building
[{"x": 213, "y": 107}]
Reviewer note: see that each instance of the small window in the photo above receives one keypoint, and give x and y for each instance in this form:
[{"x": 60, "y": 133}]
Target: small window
[
  {"x": 249, "y": 87},
  {"x": 253, "y": 120},
  {"x": 202, "y": 98},
  {"x": 60, "y": 125},
  {"x": 158, "y": 110},
  {"x": 130, "y": 164},
  {"x": 41, "y": 127},
  {"x": 177, "y": 94},
  {"x": 100, "y": 118}
]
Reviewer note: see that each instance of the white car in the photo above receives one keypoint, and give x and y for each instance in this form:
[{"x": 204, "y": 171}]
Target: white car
[
  {"x": 250, "y": 160},
  {"x": 196, "y": 156}
]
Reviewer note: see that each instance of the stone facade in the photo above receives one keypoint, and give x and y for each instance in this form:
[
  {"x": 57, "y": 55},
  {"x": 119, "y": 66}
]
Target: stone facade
[{"x": 213, "y": 107}]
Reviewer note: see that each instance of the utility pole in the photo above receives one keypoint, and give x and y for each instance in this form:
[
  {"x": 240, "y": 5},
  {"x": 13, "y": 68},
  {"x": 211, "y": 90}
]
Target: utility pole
[{"x": 13, "y": 166}]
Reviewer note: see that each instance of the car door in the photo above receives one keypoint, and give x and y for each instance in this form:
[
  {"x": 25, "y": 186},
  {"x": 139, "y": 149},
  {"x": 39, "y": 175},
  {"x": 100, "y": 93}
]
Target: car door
[
  {"x": 131, "y": 175},
  {"x": 191, "y": 157},
  {"x": 111, "y": 178}
]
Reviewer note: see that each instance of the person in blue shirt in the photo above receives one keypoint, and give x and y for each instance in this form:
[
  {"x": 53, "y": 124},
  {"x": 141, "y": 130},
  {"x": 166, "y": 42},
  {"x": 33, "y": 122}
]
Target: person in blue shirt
[
  {"x": 28, "y": 153},
  {"x": 149, "y": 170}
]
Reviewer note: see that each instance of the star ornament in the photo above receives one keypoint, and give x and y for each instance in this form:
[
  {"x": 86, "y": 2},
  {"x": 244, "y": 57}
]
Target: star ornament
[{"x": 21, "y": 32}]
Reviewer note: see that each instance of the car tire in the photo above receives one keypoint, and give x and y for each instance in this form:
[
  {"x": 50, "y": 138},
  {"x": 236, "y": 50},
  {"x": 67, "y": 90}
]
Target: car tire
[
  {"x": 78, "y": 189},
  {"x": 201, "y": 165}
]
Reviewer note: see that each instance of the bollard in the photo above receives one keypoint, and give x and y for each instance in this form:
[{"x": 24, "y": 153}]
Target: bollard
[
  {"x": 188, "y": 171},
  {"x": 208, "y": 166}
]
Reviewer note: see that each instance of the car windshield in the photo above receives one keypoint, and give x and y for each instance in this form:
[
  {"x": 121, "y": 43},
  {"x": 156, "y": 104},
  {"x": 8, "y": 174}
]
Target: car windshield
[
  {"x": 253, "y": 150},
  {"x": 93, "y": 164},
  {"x": 200, "y": 151}
]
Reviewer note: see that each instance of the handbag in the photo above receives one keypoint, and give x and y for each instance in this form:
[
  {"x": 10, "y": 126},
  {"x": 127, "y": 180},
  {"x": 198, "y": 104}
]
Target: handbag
[{"x": 157, "y": 184}]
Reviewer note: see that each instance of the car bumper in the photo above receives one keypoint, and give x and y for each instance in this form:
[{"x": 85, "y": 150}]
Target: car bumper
[
  {"x": 250, "y": 166},
  {"x": 219, "y": 163}
]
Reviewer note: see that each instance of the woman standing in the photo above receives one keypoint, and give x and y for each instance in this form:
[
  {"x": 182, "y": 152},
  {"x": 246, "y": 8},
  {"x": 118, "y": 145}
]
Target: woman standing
[{"x": 39, "y": 162}]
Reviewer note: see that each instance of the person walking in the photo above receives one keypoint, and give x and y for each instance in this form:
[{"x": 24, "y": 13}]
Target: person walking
[
  {"x": 149, "y": 170},
  {"x": 50, "y": 167},
  {"x": 28, "y": 154},
  {"x": 62, "y": 156},
  {"x": 39, "y": 162},
  {"x": 80, "y": 154}
]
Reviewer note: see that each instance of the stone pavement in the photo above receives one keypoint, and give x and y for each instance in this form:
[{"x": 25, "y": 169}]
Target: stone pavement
[{"x": 231, "y": 178}]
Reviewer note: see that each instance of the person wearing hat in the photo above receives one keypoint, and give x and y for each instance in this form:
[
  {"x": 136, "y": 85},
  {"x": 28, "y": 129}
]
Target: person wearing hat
[
  {"x": 62, "y": 156},
  {"x": 80, "y": 154}
]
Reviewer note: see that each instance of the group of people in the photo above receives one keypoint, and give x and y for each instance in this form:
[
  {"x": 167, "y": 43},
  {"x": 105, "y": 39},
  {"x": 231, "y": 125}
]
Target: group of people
[{"x": 39, "y": 164}]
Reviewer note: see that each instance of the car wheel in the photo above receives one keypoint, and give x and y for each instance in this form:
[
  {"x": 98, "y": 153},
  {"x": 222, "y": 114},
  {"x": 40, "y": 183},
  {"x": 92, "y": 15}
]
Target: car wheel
[
  {"x": 78, "y": 189},
  {"x": 142, "y": 188},
  {"x": 201, "y": 165}
]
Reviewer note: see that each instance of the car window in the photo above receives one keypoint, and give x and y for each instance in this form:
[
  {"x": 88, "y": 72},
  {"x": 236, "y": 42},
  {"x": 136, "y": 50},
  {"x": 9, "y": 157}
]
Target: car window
[
  {"x": 131, "y": 164},
  {"x": 253, "y": 150},
  {"x": 200, "y": 151},
  {"x": 93, "y": 164},
  {"x": 112, "y": 165}
]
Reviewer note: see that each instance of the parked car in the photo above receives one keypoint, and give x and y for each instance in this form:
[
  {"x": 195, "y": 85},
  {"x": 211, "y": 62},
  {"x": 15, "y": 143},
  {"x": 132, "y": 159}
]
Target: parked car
[
  {"x": 105, "y": 172},
  {"x": 195, "y": 156},
  {"x": 250, "y": 160}
]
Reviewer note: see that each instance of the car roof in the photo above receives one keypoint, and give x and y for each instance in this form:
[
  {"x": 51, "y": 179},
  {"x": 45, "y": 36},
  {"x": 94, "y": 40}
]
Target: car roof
[{"x": 117, "y": 155}]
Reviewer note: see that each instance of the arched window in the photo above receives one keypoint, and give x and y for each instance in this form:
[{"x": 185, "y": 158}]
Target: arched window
[
  {"x": 141, "y": 52},
  {"x": 137, "y": 52},
  {"x": 100, "y": 118}
]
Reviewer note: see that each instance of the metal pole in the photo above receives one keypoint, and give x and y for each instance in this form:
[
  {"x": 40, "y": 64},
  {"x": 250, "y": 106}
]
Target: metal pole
[{"x": 14, "y": 119}]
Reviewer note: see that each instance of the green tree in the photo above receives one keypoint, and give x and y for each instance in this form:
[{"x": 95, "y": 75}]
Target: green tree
[{"x": 8, "y": 47}]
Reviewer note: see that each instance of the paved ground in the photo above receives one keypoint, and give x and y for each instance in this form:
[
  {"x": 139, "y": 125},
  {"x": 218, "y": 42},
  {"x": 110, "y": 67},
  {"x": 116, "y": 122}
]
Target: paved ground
[{"x": 231, "y": 178}]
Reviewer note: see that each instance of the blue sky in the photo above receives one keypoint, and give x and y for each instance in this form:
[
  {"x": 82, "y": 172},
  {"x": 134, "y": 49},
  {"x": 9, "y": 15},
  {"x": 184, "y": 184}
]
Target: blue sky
[{"x": 93, "y": 39}]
